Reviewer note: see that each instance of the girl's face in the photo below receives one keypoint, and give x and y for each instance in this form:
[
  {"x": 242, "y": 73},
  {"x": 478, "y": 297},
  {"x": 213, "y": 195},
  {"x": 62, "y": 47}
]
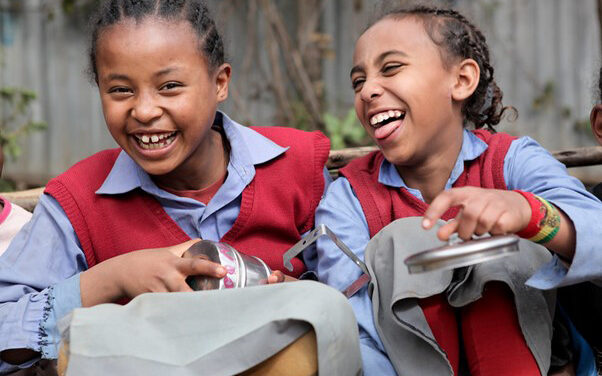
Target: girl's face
[
  {"x": 159, "y": 96},
  {"x": 404, "y": 95}
]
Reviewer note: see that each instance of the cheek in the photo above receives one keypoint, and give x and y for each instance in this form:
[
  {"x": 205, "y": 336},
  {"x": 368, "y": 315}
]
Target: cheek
[{"x": 359, "y": 106}]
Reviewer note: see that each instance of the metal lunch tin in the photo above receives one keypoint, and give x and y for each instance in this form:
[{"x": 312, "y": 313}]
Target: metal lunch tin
[
  {"x": 455, "y": 255},
  {"x": 242, "y": 270}
]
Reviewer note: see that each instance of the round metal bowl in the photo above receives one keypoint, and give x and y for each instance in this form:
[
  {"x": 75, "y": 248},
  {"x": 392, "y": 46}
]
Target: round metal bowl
[
  {"x": 466, "y": 253},
  {"x": 241, "y": 270}
]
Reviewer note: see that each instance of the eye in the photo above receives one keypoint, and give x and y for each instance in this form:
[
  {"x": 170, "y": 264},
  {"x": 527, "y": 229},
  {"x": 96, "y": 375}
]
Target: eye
[
  {"x": 390, "y": 68},
  {"x": 171, "y": 86},
  {"x": 120, "y": 92},
  {"x": 357, "y": 83}
]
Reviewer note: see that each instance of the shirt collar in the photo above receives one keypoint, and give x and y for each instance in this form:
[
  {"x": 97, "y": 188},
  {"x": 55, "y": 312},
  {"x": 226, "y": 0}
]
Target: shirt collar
[
  {"x": 247, "y": 149},
  {"x": 472, "y": 148}
]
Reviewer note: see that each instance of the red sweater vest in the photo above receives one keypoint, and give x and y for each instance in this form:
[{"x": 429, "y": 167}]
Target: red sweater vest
[
  {"x": 276, "y": 208},
  {"x": 382, "y": 204}
]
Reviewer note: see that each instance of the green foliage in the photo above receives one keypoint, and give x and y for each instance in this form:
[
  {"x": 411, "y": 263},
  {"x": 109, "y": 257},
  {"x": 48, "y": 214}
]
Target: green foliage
[
  {"x": 16, "y": 118},
  {"x": 345, "y": 131},
  {"x": 71, "y": 6}
]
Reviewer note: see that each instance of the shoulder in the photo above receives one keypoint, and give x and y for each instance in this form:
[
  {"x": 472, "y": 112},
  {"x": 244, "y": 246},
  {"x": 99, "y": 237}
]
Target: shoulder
[
  {"x": 104, "y": 158},
  {"x": 89, "y": 172},
  {"x": 340, "y": 203},
  {"x": 369, "y": 163},
  {"x": 490, "y": 138}
]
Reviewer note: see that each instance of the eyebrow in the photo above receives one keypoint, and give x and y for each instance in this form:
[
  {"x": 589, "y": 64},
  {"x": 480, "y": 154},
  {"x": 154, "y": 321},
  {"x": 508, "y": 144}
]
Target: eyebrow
[
  {"x": 378, "y": 60},
  {"x": 162, "y": 72},
  {"x": 117, "y": 76}
]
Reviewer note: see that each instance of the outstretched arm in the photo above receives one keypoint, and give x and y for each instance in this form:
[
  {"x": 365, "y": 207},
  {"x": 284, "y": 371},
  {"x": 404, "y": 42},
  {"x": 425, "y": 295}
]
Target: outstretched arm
[{"x": 496, "y": 212}]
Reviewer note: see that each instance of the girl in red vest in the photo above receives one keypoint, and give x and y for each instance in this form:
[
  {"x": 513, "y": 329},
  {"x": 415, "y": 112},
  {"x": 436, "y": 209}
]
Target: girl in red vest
[
  {"x": 421, "y": 76},
  {"x": 183, "y": 171}
]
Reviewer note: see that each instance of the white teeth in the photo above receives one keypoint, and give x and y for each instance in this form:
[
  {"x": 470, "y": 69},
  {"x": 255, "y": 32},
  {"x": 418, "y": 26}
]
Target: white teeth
[
  {"x": 385, "y": 115},
  {"x": 155, "y": 141}
]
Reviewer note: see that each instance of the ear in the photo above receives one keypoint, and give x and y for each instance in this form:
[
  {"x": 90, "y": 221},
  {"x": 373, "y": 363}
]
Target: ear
[
  {"x": 467, "y": 79},
  {"x": 595, "y": 119},
  {"x": 222, "y": 80}
]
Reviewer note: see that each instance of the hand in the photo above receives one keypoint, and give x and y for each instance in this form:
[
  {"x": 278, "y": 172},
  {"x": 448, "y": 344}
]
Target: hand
[
  {"x": 149, "y": 270},
  {"x": 278, "y": 277},
  {"x": 481, "y": 210}
]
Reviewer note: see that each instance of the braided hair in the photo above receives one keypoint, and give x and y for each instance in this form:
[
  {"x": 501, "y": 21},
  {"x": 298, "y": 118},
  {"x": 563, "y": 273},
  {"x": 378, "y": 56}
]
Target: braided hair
[
  {"x": 111, "y": 12},
  {"x": 459, "y": 38}
]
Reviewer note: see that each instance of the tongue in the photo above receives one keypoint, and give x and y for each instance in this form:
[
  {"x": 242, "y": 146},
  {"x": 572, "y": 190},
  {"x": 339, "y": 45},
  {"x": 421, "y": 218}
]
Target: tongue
[{"x": 387, "y": 129}]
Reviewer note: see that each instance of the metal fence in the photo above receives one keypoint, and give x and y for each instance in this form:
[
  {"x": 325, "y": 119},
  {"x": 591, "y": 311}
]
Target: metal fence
[{"x": 546, "y": 54}]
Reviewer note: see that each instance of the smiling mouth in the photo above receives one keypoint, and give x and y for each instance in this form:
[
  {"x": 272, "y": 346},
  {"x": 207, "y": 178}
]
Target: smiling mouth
[
  {"x": 386, "y": 117},
  {"x": 155, "y": 140}
]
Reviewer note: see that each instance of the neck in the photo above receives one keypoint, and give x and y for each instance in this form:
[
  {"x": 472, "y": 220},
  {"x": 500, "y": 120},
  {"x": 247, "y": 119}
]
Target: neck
[
  {"x": 202, "y": 169},
  {"x": 431, "y": 175}
]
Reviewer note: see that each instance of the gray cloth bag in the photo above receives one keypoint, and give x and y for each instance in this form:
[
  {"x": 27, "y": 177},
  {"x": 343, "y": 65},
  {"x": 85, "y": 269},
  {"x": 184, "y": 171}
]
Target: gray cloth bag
[
  {"x": 399, "y": 320},
  {"x": 218, "y": 332}
]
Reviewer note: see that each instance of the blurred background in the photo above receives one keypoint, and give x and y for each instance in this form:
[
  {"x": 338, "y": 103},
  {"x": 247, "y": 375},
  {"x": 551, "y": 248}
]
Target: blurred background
[{"x": 291, "y": 61}]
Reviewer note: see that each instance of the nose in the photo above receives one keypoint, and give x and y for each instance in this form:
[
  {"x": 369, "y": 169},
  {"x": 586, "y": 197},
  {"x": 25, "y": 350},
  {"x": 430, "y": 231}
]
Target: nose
[
  {"x": 146, "y": 109},
  {"x": 371, "y": 90}
]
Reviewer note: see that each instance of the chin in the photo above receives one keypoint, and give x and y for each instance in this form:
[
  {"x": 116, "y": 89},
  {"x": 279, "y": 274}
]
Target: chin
[
  {"x": 155, "y": 170},
  {"x": 395, "y": 157}
]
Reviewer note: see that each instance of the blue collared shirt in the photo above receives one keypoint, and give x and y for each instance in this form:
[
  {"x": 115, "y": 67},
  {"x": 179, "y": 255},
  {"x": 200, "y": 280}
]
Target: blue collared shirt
[
  {"x": 47, "y": 252},
  {"x": 527, "y": 166}
]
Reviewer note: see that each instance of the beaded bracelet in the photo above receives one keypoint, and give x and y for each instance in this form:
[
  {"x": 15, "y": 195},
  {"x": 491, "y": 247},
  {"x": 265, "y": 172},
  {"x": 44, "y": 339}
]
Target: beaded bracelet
[{"x": 545, "y": 219}]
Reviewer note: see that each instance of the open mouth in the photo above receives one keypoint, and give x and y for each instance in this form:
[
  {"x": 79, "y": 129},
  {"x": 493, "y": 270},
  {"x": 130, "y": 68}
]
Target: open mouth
[
  {"x": 386, "y": 117},
  {"x": 155, "y": 140}
]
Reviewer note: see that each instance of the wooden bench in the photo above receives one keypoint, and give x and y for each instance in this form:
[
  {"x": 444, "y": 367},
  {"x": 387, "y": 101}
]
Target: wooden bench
[{"x": 588, "y": 156}]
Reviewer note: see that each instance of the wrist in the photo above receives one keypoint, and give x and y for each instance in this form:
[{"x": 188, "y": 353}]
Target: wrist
[
  {"x": 544, "y": 222},
  {"x": 99, "y": 284}
]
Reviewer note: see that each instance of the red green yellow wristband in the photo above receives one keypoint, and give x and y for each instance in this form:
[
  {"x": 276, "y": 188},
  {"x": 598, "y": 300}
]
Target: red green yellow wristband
[
  {"x": 549, "y": 226},
  {"x": 545, "y": 220},
  {"x": 537, "y": 214}
]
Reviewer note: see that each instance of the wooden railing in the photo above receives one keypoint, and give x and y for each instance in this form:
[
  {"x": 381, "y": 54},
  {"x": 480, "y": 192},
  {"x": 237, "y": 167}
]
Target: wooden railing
[{"x": 588, "y": 156}]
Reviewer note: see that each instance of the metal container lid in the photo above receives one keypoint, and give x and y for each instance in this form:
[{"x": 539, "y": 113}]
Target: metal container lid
[{"x": 466, "y": 253}]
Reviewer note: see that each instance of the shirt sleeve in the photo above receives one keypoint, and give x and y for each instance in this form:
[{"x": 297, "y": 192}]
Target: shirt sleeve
[
  {"x": 39, "y": 281},
  {"x": 529, "y": 167},
  {"x": 341, "y": 212}
]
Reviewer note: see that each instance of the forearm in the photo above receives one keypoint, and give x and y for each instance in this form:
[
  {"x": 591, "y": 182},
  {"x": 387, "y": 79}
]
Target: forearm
[{"x": 97, "y": 285}]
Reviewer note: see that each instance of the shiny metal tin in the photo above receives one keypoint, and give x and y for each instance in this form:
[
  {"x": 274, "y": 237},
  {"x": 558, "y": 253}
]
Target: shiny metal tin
[
  {"x": 466, "y": 253},
  {"x": 242, "y": 270}
]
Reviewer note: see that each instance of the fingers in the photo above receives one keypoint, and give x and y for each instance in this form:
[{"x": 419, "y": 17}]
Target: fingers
[
  {"x": 276, "y": 277},
  {"x": 446, "y": 230},
  {"x": 198, "y": 266},
  {"x": 481, "y": 211},
  {"x": 443, "y": 202}
]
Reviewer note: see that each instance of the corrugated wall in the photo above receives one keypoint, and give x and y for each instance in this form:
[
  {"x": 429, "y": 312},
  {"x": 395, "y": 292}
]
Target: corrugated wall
[{"x": 546, "y": 54}]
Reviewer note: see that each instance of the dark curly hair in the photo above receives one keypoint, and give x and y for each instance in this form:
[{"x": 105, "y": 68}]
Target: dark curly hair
[
  {"x": 459, "y": 38},
  {"x": 110, "y": 12}
]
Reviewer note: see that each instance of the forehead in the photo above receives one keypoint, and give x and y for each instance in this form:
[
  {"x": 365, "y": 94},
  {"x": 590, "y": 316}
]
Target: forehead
[
  {"x": 150, "y": 40},
  {"x": 406, "y": 34}
]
